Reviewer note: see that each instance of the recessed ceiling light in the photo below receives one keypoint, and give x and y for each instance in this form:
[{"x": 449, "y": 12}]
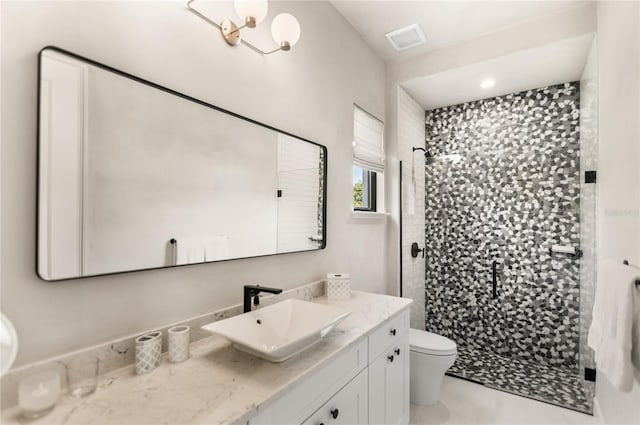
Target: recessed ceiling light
[
  {"x": 488, "y": 83},
  {"x": 407, "y": 37}
]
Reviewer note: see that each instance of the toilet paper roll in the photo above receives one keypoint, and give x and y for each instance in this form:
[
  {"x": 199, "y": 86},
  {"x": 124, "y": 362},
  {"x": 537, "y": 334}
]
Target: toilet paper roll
[
  {"x": 148, "y": 350},
  {"x": 179, "y": 339}
]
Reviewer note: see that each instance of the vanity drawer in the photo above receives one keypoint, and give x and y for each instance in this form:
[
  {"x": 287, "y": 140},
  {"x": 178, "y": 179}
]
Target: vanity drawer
[
  {"x": 296, "y": 406},
  {"x": 390, "y": 332},
  {"x": 348, "y": 407}
]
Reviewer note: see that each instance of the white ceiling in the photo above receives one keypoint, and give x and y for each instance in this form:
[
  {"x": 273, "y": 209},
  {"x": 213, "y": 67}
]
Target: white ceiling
[
  {"x": 449, "y": 22},
  {"x": 444, "y": 22},
  {"x": 550, "y": 64}
]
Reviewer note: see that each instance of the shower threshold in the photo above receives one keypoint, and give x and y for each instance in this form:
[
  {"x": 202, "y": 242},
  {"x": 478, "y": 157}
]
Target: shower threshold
[{"x": 553, "y": 385}]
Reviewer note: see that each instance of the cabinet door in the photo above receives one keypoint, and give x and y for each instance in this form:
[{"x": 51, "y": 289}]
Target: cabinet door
[
  {"x": 389, "y": 385},
  {"x": 348, "y": 406},
  {"x": 306, "y": 397}
]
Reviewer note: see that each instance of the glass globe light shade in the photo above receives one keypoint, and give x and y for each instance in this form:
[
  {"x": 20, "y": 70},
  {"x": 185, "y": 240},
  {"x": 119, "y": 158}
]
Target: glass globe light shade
[
  {"x": 256, "y": 9},
  {"x": 285, "y": 28}
]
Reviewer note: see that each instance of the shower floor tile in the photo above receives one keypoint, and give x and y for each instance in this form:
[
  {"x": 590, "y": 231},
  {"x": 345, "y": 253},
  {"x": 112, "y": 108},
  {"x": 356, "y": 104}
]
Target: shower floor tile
[{"x": 553, "y": 385}]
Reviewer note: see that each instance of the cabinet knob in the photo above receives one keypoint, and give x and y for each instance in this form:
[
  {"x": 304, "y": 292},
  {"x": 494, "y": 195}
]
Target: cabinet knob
[
  {"x": 393, "y": 331},
  {"x": 334, "y": 413},
  {"x": 397, "y": 350},
  {"x": 390, "y": 358}
]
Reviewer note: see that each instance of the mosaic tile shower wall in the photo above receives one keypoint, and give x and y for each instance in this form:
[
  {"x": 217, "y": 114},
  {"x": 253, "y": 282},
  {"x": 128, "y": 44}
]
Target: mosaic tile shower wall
[{"x": 513, "y": 193}]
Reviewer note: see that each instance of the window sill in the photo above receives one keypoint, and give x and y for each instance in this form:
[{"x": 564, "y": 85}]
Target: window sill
[{"x": 368, "y": 216}]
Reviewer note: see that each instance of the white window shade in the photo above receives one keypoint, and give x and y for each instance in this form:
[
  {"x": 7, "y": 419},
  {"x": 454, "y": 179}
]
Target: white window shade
[{"x": 368, "y": 149}]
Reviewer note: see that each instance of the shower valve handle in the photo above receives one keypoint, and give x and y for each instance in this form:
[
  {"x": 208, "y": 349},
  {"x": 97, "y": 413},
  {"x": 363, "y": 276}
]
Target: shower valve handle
[{"x": 415, "y": 249}]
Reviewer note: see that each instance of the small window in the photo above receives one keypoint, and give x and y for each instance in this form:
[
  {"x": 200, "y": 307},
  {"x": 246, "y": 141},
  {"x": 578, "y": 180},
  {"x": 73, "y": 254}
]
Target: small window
[
  {"x": 364, "y": 189},
  {"x": 368, "y": 159}
]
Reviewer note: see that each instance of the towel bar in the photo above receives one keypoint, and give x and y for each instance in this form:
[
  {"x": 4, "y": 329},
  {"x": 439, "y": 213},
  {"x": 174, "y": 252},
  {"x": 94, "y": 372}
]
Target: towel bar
[{"x": 637, "y": 281}]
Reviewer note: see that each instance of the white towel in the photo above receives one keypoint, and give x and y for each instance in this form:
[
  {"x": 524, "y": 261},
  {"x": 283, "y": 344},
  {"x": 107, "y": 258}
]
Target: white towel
[
  {"x": 613, "y": 324},
  {"x": 190, "y": 251},
  {"x": 216, "y": 248}
]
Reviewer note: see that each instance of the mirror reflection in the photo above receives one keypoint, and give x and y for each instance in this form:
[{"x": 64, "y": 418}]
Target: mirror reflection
[{"x": 134, "y": 176}]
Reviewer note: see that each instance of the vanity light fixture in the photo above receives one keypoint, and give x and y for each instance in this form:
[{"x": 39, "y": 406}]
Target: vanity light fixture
[{"x": 285, "y": 28}]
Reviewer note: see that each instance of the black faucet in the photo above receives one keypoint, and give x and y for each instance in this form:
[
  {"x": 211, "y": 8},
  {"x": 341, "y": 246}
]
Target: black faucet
[{"x": 252, "y": 291}]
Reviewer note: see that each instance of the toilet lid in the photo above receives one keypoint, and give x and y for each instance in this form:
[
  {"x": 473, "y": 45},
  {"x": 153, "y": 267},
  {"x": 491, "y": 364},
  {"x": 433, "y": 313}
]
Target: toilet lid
[{"x": 430, "y": 343}]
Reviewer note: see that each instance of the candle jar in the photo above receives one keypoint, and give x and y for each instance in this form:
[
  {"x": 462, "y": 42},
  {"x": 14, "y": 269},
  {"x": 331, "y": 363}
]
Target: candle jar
[{"x": 38, "y": 394}]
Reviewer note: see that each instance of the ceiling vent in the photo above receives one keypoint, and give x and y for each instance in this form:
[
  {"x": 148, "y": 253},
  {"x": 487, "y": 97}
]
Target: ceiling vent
[{"x": 407, "y": 37}]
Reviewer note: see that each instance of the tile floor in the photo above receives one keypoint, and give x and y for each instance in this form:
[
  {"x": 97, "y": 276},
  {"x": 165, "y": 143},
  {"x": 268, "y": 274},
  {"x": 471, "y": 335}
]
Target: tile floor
[
  {"x": 556, "y": 385},
  {"x": 463, "y": 402}
]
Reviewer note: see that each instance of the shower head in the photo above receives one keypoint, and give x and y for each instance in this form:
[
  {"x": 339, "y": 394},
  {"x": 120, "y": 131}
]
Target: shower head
[{"x": 429, "y": 159}]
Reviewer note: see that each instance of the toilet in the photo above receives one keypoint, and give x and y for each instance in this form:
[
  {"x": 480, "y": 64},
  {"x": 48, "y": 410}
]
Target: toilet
[{"x": 431, "y": 356}]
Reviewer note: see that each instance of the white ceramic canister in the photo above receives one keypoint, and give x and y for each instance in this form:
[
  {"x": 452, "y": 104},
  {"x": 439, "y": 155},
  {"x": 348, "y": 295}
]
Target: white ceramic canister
[
  {"x": 179, "y": 339},
  {"x": 148, "y": 350}
]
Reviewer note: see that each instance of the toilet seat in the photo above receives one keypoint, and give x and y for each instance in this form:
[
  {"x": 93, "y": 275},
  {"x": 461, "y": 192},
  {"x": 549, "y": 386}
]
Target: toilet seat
[{"x": 430, "y": 343}]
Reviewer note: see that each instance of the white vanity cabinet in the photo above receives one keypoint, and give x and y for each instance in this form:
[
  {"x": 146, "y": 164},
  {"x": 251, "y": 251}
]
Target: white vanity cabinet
[
  {"x": 389, "y": 376},
  {"x": 367, "y": 383}
]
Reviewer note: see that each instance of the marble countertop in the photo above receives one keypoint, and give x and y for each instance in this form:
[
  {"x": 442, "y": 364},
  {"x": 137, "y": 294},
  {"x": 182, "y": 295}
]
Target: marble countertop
[{"x": 218, "y": 384}]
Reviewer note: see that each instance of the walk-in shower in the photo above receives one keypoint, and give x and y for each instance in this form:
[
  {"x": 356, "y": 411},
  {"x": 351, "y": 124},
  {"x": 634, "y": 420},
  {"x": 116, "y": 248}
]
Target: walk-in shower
[{"x": 502, "y": 185}]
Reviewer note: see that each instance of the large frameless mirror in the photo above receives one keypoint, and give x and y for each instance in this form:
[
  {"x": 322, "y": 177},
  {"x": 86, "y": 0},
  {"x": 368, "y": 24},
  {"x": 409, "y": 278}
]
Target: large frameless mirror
[{"x": 135, "y": 176}]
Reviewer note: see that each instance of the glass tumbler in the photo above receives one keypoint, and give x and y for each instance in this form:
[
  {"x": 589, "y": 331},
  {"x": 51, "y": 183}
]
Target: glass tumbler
[{"x": 82, "y": 376}]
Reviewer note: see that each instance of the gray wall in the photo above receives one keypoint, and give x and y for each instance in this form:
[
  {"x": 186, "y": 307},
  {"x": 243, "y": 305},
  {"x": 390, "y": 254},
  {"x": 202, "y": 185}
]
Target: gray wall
[{"x": 309, "y": 91}]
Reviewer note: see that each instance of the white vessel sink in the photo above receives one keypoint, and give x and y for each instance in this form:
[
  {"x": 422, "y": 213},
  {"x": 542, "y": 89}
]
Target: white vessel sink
[{"x": 281, "y": 330}]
